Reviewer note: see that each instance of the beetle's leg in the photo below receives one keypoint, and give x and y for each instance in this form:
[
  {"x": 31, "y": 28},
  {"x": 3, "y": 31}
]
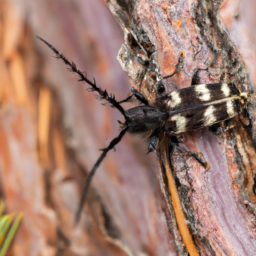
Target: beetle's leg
[
  {"x": 193, "y": 154},
  {"x": 217, "y": 129},
  {"x": 153, "y": 139},
  {"x": 125, "y": 100},
  {"x": 196, "y": 76},
  {"x": 139, "y": 96},
  {"x": 179, "y": 66},
  {"x": 229, "y": 124}
]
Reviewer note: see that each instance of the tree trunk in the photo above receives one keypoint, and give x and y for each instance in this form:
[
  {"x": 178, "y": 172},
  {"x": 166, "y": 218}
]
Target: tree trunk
[{"x": 51, "y": 128}]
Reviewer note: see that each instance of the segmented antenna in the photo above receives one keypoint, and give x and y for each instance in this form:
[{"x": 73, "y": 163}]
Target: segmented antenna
[
  {"x": 72, "y": 68},
  {"x": 112, "y": 144},
  {"x": 103, "y": 95}
]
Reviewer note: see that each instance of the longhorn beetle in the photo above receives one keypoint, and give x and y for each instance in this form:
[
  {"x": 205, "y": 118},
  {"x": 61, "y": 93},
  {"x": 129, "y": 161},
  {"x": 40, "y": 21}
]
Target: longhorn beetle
[{"x": 173, "y": 113}]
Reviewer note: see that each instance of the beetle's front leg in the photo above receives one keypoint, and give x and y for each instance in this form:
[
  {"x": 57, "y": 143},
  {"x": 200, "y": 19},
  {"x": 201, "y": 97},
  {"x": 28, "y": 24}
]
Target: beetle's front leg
[
  {"x": 126, "y": 99},
  {"x": 139, "y": 96}
]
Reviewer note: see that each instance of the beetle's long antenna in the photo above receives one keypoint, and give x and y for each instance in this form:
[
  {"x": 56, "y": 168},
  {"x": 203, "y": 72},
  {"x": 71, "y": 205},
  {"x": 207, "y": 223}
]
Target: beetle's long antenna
[
  {"x": 72, "y": 68},
  {"x": 103, "y": 95},
  {"x": 112, "y": 144}
]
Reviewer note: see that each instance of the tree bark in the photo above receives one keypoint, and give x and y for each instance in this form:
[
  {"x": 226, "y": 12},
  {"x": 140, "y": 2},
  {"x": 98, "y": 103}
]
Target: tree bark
[
  {"x": 218, "y": 204},
  {"x": 51, "y": 128}
]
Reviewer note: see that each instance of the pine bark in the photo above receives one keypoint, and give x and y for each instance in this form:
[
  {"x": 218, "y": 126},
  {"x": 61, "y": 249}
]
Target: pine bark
[
  {"x": 51, "y": 128},
  {"x": 218, "y": 204}
]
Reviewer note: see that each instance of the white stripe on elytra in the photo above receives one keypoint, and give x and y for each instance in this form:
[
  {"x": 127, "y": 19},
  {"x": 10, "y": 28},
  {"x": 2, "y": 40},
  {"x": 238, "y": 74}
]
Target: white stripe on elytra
[
  {"x": 175, "y": 101},
  {"x": 225, "y": 90},
  {"x": 181, "y": 122},
  {"x": 230, "y": 109},
  {"x": 209, "y": 117},
  {"x": 203, "y": 93}
]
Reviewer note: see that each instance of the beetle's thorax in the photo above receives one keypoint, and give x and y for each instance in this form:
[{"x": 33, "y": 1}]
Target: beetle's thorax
[{"x": 145, "y": 118}]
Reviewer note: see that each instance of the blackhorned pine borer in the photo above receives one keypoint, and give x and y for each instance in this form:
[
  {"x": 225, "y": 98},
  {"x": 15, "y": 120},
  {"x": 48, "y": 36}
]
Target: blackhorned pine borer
[{"x": 173, "y": 113}]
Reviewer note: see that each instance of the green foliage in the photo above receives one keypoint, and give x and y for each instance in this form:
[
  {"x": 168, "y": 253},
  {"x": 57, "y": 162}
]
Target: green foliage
[{"x": 8, "y": 228}]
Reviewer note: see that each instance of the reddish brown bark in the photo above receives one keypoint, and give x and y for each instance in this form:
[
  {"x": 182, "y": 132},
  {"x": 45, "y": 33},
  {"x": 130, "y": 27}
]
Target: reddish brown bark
[
  {"x": 218, "y": 203},
  {"x": 51, "y": 128}
]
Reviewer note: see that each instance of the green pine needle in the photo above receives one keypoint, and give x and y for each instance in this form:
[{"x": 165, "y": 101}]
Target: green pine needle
[{"x": 8, "y": 228}]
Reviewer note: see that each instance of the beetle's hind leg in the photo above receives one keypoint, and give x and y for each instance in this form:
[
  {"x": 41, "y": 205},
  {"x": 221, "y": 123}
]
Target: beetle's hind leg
[
  {"x": 196, "y": 156},
  {"x": 217, "y": 129}
]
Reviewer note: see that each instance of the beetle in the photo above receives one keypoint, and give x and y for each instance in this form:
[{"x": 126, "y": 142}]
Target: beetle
[{"x": 173, "y": 113}]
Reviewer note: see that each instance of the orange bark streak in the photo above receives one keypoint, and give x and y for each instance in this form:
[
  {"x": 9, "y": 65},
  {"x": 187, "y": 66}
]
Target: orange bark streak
[{"x": 180, "y": 218}]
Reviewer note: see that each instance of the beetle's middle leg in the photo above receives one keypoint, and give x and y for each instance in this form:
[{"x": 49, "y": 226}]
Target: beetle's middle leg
[{"x": 152, "y": 141}]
